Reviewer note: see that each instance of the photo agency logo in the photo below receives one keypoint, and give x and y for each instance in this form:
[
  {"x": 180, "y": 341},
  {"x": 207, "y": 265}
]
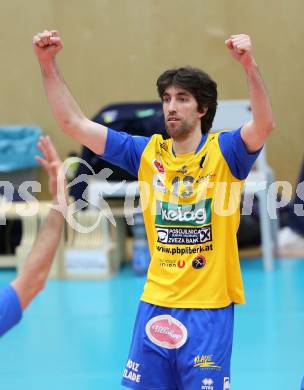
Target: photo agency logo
[
  {"x": 98, "y": 206},
  {"x": 225, "y": 202},
  {"x": 27, "y": 204}
]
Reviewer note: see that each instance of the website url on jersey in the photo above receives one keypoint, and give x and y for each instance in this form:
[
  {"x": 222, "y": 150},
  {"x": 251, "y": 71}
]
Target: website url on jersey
[{"x": 183, "y": 251}]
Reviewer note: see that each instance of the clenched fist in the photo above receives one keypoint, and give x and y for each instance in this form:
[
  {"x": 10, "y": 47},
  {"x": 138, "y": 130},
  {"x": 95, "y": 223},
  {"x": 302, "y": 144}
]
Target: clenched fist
[
  {"x": 46, "y": 45},
  {"x": 241, "y": 49}
]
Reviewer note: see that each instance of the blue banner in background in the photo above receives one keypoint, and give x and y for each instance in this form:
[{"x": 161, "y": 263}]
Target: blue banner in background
[{"x": 18, "y": 147}]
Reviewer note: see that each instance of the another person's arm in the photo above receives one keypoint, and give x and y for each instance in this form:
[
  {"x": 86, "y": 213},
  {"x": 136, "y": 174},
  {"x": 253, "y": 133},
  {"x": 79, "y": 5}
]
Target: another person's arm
[
  {"x": 38, "y": 263},
  {"x": 255, "y": 132},
  {"x": 65, "y": 108},
  {"x": 14, "y": 298}
]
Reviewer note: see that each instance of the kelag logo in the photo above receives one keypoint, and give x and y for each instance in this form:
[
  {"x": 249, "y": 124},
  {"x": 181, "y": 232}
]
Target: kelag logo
[{"x": 172, "y": 214}]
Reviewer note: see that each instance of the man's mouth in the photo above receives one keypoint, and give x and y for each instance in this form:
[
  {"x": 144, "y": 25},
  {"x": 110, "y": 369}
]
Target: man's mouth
[{"x": 173, "y": 119}]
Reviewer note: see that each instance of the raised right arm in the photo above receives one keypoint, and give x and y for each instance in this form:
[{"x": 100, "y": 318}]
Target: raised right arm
[{"x": 64, "y": 107}]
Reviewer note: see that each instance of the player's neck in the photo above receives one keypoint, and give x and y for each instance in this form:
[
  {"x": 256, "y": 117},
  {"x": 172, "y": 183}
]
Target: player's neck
[{"x": 188, "y": 144}]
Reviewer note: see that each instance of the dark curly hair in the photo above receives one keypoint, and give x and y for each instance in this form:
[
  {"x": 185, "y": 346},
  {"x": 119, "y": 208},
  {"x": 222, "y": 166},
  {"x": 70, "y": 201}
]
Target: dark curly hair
[{"x": 199, "y": 84}]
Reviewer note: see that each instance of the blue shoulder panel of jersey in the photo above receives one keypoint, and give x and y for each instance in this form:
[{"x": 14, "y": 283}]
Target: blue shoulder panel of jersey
[
  {"x": 234, "y": 150},
  {"x": 124, "y": 150},
  {"x": 10, "y": 309}
]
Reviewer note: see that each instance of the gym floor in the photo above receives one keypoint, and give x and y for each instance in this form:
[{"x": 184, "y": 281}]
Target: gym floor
[{"x": 76, "y": 334}]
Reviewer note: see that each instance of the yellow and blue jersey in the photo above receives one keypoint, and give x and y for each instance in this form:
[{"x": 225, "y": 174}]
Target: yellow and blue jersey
[{"x": 190, "y": 205}]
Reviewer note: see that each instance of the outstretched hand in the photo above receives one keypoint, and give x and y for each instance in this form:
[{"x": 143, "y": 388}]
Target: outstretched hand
[
  {"x": 240, "y": 48},
  {"x": 51, "y": 164},
  {"x": 46, "y": 45}
]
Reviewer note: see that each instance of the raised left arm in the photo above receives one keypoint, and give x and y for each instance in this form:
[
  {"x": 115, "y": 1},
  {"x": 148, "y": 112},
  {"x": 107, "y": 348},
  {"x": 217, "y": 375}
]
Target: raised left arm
[
  {"x": 255, "y": 132},
  {"x": 33, "y": 277}
]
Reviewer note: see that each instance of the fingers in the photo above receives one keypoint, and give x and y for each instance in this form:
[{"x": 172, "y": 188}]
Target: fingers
[
  {"x": 47, "y": 38},
  {"x": 240, "y": 43},
  {"x": 55, "y": 33},
  {"x": 51, "y": 162},
  {"x": 43, "y": 147},
  {"x": 40, "y": 160},
  {"x": 47, "y": 148},
  {"x": 44, "y": 164},
  {"x": 52, "y": 153},
  {"x": 228, "y": 43}
]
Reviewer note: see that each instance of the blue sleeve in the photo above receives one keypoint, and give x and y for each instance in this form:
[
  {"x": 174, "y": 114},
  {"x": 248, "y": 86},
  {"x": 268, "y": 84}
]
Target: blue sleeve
[
  {"x": 10, "y": 309},
  {"x": 124, "y": 150},
  {"x": 235, "y": 152}
]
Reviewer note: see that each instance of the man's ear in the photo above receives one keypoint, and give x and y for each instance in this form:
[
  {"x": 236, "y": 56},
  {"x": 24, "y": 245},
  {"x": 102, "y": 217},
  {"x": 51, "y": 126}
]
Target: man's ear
[{"x": 203, "y": 111}]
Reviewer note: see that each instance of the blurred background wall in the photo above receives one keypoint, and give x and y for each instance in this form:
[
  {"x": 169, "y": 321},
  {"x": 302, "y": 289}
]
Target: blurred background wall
[{"x": 114, "y": 51}]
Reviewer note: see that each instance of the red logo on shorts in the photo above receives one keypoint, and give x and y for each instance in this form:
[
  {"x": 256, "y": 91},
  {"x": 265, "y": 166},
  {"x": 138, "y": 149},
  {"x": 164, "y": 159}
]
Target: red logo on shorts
[
  {"x": 166, "y": 331},
  {"x": 159, "y": 166}
]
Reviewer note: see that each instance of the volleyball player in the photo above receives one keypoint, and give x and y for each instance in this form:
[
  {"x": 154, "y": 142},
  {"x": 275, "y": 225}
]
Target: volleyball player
[{"x": 183, "y": 332}]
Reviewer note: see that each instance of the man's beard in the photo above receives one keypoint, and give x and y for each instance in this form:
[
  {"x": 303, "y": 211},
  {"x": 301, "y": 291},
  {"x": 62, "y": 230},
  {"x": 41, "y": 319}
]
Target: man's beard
[{"x": 179, "y": 132}]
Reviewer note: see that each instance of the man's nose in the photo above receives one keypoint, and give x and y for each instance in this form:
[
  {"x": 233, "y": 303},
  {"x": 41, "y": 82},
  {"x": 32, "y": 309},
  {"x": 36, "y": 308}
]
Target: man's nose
[{"x": 172, "y": 105}]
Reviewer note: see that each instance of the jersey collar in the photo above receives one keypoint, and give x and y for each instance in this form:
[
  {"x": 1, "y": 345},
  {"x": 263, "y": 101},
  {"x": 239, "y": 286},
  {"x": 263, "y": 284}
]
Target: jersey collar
[{"x": 199, "y": 147}]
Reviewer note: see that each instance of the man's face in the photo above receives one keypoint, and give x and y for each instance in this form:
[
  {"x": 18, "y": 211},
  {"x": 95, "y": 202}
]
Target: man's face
[{"x": 180, "y": 111}]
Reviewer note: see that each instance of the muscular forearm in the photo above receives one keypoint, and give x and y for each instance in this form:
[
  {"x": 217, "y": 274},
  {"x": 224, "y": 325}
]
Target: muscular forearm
[
  {"x": 39, "y": 261},
  {"x": 255, "y": 132},
  {"x": 64, "y": 106},
  {"x": 67, "y": 111},
  {"x": 260, "y": 102}
]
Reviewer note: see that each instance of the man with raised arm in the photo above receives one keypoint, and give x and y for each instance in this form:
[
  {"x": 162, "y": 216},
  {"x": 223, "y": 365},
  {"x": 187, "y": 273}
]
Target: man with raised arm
[
  {"x": 183, "y": 332},
  {"x": 15, "y": 297}
]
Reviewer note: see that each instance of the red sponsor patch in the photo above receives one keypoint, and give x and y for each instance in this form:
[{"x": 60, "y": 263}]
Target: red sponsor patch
[
  {"x": 167, "y": 332},
  {"x": 181, "y": 263},
  {"x": 159, "y": 166}
]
